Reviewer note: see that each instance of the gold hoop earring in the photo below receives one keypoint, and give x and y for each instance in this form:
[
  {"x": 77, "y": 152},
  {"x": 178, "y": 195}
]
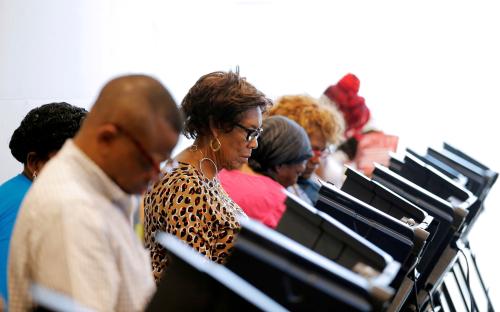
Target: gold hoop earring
[{"x": 217, "y": 144}]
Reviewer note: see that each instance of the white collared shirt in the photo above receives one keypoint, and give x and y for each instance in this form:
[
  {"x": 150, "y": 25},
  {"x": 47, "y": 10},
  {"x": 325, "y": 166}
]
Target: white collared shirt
[{"x": 73, "y": 235}]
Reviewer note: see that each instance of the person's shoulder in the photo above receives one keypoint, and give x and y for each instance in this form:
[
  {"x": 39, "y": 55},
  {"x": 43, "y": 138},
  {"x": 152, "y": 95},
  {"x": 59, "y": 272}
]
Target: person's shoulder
[
  {"x": 47, "y": 213},
  {"x": 14, "y": 189},
  {"x": 233, "y": 178},
  {"x": 178, "y": 178},
  {"x": 250, "y": 182},
  {"x": 273, "y": 189},
  {"x": 232, "y": 173},
  {"x": 268, "y": 182},
  {"x": 182, "y": 171},
  {"x": 15, "y": 182},
  {"x": 53, "y": 198}
]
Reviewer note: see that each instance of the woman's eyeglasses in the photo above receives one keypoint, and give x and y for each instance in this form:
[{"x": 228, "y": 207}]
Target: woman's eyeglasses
[
  {"x": 251, "y": 133},
  {"x": 323, "y": 153}
]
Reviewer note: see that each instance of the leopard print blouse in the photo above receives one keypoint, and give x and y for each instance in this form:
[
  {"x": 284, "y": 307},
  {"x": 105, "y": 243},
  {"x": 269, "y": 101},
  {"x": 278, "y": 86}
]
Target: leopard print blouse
[{"x": 195, "y": 209}]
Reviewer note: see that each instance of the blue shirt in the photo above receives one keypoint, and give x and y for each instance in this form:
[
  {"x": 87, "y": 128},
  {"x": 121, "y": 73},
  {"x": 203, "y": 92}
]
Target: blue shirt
[
  {"x": 11, "y": 195},
  {"x": 311, "y": 188}
]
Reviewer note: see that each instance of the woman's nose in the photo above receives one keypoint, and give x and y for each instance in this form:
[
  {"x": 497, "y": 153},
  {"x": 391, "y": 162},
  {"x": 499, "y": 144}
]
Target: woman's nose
[
  {"x": 314, "y": 160},
  {"x": 253, "y": 144},
  {"x": 301, "y": 168}
]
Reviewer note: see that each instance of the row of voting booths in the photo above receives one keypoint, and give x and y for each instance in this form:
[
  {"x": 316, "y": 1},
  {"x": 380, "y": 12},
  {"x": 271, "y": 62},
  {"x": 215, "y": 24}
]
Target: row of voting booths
[{"x": 397, "y": 241}]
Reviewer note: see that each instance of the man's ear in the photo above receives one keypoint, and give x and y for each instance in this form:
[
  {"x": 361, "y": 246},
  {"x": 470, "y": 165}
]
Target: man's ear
[
  {"x": 106, "y": 133},
  {"x": 105, "y": 137}
]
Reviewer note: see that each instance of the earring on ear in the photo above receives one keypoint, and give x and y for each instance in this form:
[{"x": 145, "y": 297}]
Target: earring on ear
[
  {"x": 217, "y": 144},
  {"x": 34, "y": 175}
]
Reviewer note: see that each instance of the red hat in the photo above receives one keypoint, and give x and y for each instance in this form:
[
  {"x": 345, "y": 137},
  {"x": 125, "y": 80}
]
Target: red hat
[{"x": 345, "y": 96}]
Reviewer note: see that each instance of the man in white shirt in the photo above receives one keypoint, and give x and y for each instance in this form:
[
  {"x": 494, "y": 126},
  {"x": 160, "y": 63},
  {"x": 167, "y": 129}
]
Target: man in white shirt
[{"x": 73, "y": 234}]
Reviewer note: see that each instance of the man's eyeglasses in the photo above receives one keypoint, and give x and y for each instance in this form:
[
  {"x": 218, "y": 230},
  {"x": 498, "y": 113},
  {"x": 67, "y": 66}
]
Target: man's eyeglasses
[
  {"x": 251, "y": 133},
  {"x": 154, "y": 164}
]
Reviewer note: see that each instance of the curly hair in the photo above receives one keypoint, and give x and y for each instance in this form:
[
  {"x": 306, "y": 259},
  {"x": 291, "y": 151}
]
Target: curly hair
[
  {"x": 307, "y": 112},
  {"x": 44, "y": 130},
  {"x": 222, "y": 98}
]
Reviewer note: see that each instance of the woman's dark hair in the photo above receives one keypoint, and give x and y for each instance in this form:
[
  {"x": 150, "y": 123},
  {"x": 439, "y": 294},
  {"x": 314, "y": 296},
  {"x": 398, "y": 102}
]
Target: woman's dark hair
[
  {"x": 44, "y": 130},
  {"x": 282, "y": 142},
  {"x": 220, "y": 97}
]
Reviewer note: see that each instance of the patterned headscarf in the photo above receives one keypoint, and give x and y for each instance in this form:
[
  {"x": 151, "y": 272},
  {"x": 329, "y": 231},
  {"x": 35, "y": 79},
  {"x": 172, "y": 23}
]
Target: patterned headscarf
[{"x": 282, "y": 142}]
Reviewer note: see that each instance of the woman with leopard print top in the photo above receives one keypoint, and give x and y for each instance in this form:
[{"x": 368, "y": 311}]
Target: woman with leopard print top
[{"x": 224, "y": 117}]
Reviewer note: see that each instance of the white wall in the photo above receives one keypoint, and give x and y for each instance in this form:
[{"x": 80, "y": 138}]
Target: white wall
[{"x": 428, "y": 69}]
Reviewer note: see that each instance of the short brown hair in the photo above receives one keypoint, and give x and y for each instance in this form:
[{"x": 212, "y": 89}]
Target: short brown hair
[
  {"x": 307, "y": 112},
  {"x": 221, "y": 97}
]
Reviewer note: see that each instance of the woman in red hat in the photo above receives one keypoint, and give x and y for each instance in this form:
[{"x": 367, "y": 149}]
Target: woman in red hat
[{"x": 362, "y": 145}]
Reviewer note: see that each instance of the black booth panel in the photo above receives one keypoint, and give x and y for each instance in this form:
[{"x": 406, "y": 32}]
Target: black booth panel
[
  {"x": 301, "y": 228},
  {"x": 432, "y": 179},
  {"x": 476, "y": 181},
  {"x": 362, "y": 193},
  {"x": 292, "y": 281},
  {"x": 350, "y": 258},
  {"x": 191, "y": 282},
  {"x": 309, "y": 234},
  {"x": 342, "y": 254},
  {"x": 440, "y": 226},
  {"x": 392, "y": 243},
  {"x": 466, "y": 157},
  {"x": 440, "y": 185},
  {"x": 389, "y": 202},
  {"x": 316, "y": 231},
  {"x": 185, "y": 289},
  {"x": 381, "y": 197},
  {"x": 386, "y": 207},
  {"x": 479, "y": 178},
  {"x": 441, "y": 211},
  {"x": 439, "y": 165},
  {"x": 344, "y": 202},
  {"x": 365, "y": 194},
  {"x": 290, "y": 290}
]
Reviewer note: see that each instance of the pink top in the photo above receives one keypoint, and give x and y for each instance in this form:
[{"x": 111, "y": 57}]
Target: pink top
[{"x": 260, "y": 197}]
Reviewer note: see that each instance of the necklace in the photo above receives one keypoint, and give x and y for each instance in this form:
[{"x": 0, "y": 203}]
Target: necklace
[
  {"x": 213, "y": 185},
  {"x": 194, "y": 148}
]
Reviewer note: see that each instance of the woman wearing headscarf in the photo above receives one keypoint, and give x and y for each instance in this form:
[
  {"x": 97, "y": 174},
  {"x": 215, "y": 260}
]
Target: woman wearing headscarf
[
  {"x": 323, "y": 126},
  {"x": 363, "y": 144},
  {"x": 277, "y": 162}
]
